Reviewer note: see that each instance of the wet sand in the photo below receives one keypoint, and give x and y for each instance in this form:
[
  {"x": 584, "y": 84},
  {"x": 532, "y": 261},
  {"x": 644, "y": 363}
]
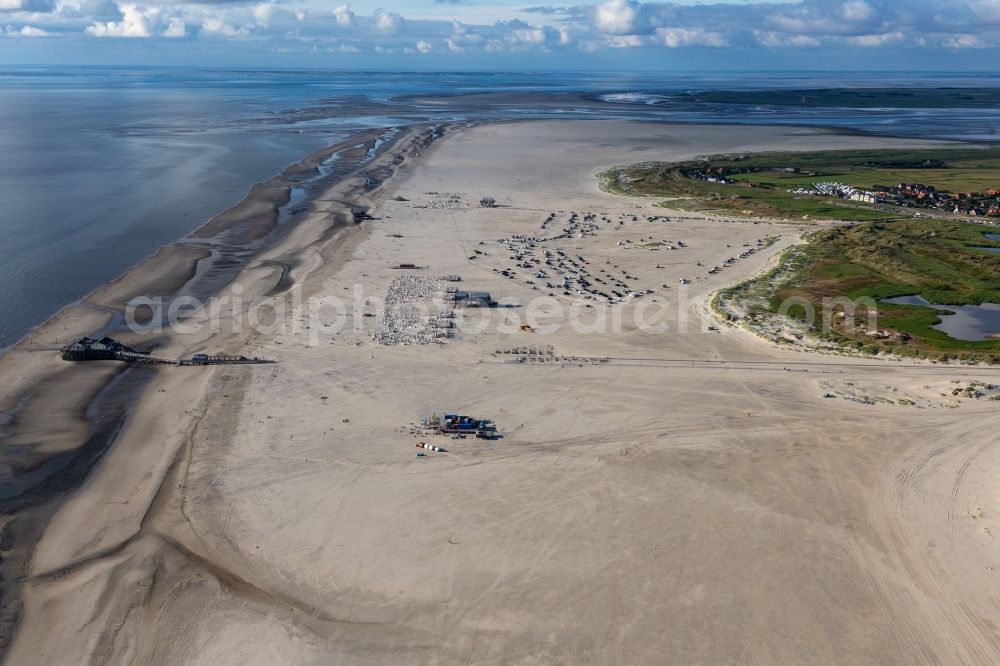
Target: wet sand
[
  {"x": 58, "y": 419},
  {"x": 685, "y": 495}
]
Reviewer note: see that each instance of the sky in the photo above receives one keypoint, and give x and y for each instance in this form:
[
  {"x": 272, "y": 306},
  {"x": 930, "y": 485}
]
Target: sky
[{"x": 731, "y": 35}]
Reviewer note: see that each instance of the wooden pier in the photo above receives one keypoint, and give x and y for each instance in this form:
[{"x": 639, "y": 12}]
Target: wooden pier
[
  {"x": 107, "y": 349},
  {"x": 222, "y": 359}
]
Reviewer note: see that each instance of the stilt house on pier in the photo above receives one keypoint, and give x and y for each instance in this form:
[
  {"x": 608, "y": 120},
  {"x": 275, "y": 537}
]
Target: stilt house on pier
[{"x": 105, "y": 349}]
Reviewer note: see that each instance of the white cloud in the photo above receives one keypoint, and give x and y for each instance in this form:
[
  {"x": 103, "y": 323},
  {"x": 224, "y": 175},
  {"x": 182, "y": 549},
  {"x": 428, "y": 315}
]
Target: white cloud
[
  {"x": 216, "y": 26},
  {"x": 175, "y": 28},
  {"x": 680, "y": 37},
  {"x": 135, "y": 22},
  {"x": 387, "y": 22},
  {"x": 263, "y": 13},
  {"x": 806, "y": 25},
  {"x": 617, "y": 17},
  {"x": 462, "y": 36},
  {"x": 802, "y": 41},
  {"x": 522, "y": 37},
  {"x": 857, "y": 10},
  {"x": 343, "y": 15},
  {"x": 139, "y": 22},
  {"x": 343, "y": 48},
  {"x": 589, "y": 25},
  {"x": 31, "y": 31},
  {"x": 623, "y": 41},
  {"x": 884, "y": 39},
  {"x": 963, "y": 42},
  {"x": 532, "y": 36},
  {"x": 778, "y": 40}
]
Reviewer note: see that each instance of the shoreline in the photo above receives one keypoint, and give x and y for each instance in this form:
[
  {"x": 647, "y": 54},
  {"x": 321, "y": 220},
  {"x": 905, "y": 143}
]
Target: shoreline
[
  {"x": 85, "y": 434},
  {"x": 257, "y": 213}
]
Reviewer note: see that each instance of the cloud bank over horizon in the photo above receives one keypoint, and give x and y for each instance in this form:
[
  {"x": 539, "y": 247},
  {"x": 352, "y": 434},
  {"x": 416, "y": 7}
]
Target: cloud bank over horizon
[{"x": 467, "y": 32}]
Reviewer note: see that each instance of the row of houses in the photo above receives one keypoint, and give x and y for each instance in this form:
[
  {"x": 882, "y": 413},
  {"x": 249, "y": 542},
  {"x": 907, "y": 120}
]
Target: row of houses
[
  {"x": 919, "y": 195},
  {"x": 912, "y": 195}
]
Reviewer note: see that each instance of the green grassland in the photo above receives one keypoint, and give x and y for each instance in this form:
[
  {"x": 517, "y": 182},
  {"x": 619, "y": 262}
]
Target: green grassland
[
  {"x": 764, "y": 194},
  {"x": 887, "y": 253},
  {"x": 937, "y": 259},
  {"x": 858, "y": 98},
  {"x": 682, "y": 193}
]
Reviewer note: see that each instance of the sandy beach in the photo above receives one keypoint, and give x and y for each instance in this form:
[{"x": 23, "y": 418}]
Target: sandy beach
[{"x": 663, "y": 492}]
